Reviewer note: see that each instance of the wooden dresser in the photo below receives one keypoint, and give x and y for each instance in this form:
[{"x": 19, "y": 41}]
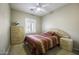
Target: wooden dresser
[{"x": 17, "y": 34}]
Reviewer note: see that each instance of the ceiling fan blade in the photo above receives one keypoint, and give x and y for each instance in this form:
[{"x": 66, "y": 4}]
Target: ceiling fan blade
[
  {"x": 45, "y": 4},
  {"x": 31, "y": 8}
]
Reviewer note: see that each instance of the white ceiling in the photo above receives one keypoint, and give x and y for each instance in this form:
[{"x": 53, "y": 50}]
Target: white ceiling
[{"x": 25, "y": 7}]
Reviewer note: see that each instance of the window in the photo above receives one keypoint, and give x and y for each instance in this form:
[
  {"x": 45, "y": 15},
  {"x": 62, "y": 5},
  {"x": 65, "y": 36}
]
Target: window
[{"x": 30, "y": 26}]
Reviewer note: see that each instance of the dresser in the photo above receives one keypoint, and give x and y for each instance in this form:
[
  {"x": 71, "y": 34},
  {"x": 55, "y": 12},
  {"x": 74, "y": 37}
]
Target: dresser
[{"x": 17, "y": 34}]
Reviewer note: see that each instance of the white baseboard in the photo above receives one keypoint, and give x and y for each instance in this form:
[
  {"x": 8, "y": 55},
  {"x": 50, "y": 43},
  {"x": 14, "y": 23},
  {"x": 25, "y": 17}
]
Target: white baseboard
[{"x": 7, "y": 51}]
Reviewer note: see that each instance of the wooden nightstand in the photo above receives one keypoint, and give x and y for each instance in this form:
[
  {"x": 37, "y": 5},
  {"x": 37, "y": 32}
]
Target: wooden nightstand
[{"x": 66, "y": 44}]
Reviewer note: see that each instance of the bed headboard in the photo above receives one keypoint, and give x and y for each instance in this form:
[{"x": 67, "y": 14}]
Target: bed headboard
[{"x": 60, "y": 32}]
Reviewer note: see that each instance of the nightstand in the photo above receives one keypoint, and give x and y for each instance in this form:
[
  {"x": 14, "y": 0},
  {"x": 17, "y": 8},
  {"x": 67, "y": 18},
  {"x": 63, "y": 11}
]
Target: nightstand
[{"x": 66, "y": 43}]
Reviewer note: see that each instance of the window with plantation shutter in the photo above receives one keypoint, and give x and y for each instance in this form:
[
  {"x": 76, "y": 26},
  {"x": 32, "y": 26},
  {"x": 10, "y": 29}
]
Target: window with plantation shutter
[{"x": 30, "y": 26}]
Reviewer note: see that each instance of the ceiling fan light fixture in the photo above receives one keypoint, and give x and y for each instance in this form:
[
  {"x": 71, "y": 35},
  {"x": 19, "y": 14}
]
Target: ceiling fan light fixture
[{"x": 38, "y": 9}]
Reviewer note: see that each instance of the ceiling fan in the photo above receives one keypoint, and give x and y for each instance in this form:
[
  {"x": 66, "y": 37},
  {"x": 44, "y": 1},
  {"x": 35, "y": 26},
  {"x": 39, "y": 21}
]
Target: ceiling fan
[{"x": 39, "y": 7}]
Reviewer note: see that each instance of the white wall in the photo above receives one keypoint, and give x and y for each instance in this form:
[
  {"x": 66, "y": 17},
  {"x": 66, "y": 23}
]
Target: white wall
[
  {"x": 65, "y": 18},
  {"x": 4, "y": 27},
  {"x": 18, "y": 16}
]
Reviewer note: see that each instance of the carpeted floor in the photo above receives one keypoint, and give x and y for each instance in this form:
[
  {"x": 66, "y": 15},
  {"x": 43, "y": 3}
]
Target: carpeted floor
[{"x": 19, "y": 50}]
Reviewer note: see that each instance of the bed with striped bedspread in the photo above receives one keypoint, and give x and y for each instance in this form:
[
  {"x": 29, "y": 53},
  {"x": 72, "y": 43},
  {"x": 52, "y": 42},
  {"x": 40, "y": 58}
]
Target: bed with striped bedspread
[{"x": 41, "y": 43}]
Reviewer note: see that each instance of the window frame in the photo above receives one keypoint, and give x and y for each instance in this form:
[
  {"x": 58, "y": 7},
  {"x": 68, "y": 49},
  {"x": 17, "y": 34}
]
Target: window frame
[{"x": 32, "y": 26}]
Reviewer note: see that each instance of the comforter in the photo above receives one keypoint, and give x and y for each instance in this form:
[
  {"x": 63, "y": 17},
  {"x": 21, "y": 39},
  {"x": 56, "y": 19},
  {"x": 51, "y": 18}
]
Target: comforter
[{"x": 40, "y": 43}]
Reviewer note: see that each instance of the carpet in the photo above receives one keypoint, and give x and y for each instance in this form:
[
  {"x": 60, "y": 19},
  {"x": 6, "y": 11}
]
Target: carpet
[{"x": 20, "y": 50}]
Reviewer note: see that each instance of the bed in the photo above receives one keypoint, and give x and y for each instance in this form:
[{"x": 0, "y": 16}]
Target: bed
[{"x": 40, "y": 44}]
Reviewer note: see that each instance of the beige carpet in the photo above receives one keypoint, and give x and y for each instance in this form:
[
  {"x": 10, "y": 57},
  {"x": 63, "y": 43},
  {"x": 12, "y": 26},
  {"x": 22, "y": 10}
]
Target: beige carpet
[
  {"x": 19, "y": 50},
  {"x": 59, "y": 51}
]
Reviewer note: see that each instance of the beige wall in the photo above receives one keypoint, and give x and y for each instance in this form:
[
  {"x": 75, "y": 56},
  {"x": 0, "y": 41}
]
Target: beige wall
[
  {"x": 18, "y": 16},
  {"x": 65, "y": 18},
  {"x": 4, "y": 27}
]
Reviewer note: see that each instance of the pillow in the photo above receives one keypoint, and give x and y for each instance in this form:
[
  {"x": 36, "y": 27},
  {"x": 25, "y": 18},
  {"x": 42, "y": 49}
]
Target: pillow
[
  {"x": 64, "y": 35},
  {"x": 51, "y": 33},
  {"x": 48, "y": 33}
]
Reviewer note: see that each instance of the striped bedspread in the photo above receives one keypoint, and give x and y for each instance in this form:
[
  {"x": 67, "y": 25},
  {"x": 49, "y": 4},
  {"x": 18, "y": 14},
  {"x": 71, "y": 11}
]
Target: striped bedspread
[{"x": 40, "y": 44}]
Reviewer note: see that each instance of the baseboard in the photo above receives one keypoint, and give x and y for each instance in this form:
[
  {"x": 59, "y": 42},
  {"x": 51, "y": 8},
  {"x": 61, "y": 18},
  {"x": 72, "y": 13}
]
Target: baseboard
[
  {"x": 7, "y": 51},
  {"x": 75, "y": 49}
]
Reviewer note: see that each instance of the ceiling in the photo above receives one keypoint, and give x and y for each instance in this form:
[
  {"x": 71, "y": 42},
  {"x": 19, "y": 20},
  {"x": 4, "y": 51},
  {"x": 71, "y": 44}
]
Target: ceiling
[{"x": 30, "y": 7}]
